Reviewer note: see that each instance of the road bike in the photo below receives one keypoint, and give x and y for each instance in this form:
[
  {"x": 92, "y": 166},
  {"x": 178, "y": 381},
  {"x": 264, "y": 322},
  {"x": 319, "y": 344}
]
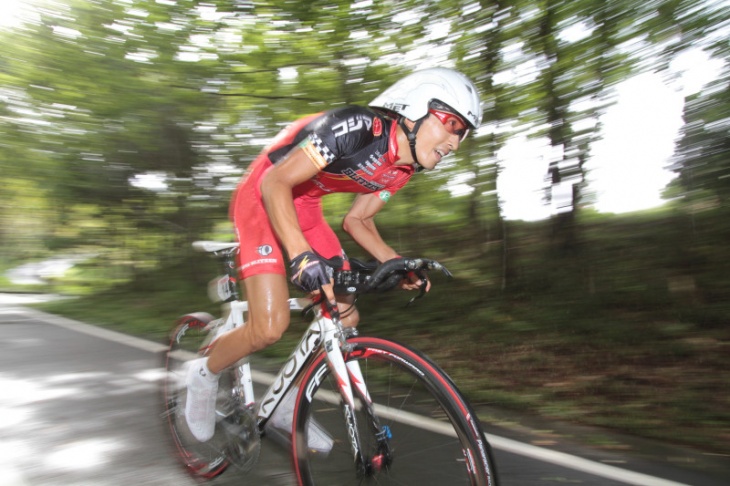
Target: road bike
[{"x": 353, "y": 409}]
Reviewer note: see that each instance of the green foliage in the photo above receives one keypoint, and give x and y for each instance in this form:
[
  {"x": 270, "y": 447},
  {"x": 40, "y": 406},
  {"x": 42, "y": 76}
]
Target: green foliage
[
  {"x": 100, "y": 93},
  {"x": 702, "y": 160}
]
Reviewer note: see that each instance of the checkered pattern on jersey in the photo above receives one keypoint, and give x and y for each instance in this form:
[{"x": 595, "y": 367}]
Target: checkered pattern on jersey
[{"x": 323, "y": 149}]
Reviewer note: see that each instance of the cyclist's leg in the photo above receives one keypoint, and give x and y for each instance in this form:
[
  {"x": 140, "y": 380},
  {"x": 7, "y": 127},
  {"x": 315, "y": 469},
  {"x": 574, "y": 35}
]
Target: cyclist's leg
[
  {"x": 268, "y": 318},
  {"x": 264, "y": 278},
  {"x": 261, "y": 269}
]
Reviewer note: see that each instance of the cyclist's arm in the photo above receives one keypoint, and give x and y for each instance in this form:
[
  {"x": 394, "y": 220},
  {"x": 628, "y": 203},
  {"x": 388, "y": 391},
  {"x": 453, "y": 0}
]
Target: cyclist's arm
[
  {"x": 276, "y": 191},
  {"x": 359, "y": 223}
]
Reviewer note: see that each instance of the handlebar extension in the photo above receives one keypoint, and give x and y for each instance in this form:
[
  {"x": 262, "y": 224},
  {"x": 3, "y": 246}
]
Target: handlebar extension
[{"x": 386, "y": 276}]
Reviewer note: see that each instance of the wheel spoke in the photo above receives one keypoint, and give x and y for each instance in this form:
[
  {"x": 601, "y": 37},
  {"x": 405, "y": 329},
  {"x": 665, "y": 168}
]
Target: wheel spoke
[{"x": 428, "y": 434}]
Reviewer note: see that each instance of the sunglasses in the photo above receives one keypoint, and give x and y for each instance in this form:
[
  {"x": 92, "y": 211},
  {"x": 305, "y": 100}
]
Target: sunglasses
[{"x": 452, "y": 123}]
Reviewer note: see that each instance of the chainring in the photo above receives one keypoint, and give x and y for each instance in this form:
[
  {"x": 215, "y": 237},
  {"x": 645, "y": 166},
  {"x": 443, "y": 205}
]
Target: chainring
[{"x": 242, "y": 444}]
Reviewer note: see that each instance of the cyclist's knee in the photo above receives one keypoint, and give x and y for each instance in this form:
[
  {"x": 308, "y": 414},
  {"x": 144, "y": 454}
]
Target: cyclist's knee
[
  {"x": 267, "y": 331},
  {"x": 269, "y": 311},
  {"x": 350, "y": 317}
]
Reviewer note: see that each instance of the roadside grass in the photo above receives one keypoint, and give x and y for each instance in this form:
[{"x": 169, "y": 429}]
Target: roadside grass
[
  {"x": 642, "y": 373},
  {"x": 147, "y": 314}
]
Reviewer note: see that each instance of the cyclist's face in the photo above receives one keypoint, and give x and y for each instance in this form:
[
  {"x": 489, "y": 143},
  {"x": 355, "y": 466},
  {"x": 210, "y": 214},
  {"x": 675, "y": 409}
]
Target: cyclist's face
[{"x": 435, "y": 141}]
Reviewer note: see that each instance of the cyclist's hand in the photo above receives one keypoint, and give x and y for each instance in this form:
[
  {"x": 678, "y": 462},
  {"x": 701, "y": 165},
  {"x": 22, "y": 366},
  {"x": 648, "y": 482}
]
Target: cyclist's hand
[{"x": 310, "y": 273}]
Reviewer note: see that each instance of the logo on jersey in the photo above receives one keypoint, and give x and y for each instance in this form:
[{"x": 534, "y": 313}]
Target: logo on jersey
[
  {"x": 264, "y": 250},
  {"x": 388, "y": 177},
  {"x": 377, "y": 127},
  {"x": 352, "y": 124},
  {"x": 367, "y": 184}
]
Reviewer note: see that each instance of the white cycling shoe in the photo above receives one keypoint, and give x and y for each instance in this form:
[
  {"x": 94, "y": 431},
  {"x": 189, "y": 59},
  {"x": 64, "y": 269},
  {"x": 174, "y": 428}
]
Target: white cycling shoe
[{"x": 202, "y": 386}]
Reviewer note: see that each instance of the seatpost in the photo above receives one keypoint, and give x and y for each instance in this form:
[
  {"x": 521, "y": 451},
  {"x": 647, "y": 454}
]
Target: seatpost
[{"x": 229, "y": 264}]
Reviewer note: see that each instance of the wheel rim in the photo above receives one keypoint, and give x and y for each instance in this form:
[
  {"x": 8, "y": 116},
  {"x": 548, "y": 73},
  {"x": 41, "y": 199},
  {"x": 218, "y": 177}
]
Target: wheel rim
[
  {"x": 205, "y": 460},
  {"x": 425, "y": 447}
]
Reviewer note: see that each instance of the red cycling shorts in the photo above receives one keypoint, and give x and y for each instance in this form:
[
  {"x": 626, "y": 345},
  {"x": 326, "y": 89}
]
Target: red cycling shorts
[{"x": 260, "y": 250}]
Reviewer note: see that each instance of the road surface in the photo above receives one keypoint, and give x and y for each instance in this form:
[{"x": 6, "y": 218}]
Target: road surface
[{"x": 78, "y": 406}]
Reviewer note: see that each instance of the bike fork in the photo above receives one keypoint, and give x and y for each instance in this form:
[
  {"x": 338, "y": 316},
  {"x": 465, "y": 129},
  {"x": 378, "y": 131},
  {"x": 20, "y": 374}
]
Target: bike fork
[
  {"x": 382, "y": 434},
  {"x": 347, "y": 375},
  {"x": 332, "y": 341}
]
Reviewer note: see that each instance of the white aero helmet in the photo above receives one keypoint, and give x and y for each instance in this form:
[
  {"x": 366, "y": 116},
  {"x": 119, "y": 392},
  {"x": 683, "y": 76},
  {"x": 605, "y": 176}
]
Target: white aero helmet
[{"x": 412, "y": 95}]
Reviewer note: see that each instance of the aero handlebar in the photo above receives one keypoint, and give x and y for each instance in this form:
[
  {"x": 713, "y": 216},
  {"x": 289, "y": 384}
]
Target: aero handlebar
[{"x": 364, "y": 278}]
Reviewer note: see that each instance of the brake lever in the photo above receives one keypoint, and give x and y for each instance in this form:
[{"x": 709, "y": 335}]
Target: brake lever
[
  {"x": 430, "y": 265},
  {"x": 421, "y": 289},
  {"x": 314, "y": 303},
  {"x": 333, "y": 309}
]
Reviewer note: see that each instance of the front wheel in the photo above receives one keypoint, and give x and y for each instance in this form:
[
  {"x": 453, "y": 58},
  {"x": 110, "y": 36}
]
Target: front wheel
[{"x": 414, "y": 427}]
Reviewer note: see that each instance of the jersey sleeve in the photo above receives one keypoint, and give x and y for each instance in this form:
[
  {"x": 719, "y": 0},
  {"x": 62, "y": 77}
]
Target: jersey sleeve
[{"x": 338, "y": 133}]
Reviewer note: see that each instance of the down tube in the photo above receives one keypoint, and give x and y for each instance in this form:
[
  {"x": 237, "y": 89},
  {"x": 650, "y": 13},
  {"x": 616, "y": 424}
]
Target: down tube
[{"x": 290, "y": 371}]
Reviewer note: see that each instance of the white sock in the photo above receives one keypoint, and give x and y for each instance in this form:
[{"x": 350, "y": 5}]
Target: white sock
[{"x": 206, "y": 373}]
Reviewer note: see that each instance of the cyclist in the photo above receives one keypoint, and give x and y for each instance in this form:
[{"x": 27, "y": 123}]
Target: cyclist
[{"x": 277, "y": 207}]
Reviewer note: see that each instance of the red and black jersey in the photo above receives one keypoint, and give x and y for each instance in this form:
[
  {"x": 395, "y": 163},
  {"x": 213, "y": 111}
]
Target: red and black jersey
[{"x": 355, "y": 149}]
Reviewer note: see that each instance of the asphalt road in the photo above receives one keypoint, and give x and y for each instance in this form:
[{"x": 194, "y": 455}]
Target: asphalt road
[{"x": 79, "y": 406}]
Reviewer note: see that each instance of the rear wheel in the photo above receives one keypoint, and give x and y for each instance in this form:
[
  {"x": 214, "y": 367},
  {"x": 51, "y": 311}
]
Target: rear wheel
[
  {"x": 236, "y": 440},
  {"x": 422, "y": 431}
]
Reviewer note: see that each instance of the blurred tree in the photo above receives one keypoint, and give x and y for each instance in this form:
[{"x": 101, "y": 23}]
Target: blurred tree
[
  {"x": 702, "y": 154},
  {"x": 96, "y": 103},
  {"x": 149, "y": 111},
  {"x": 478, "y": 51},
  {"x": 574, "y": 47},
  {"x": 702, "y": 157}
]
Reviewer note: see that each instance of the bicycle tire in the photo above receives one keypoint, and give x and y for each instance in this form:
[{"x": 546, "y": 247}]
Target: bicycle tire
[
  {"x": 236, "y": 439},
  {"x": 406, "y": 387}
]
